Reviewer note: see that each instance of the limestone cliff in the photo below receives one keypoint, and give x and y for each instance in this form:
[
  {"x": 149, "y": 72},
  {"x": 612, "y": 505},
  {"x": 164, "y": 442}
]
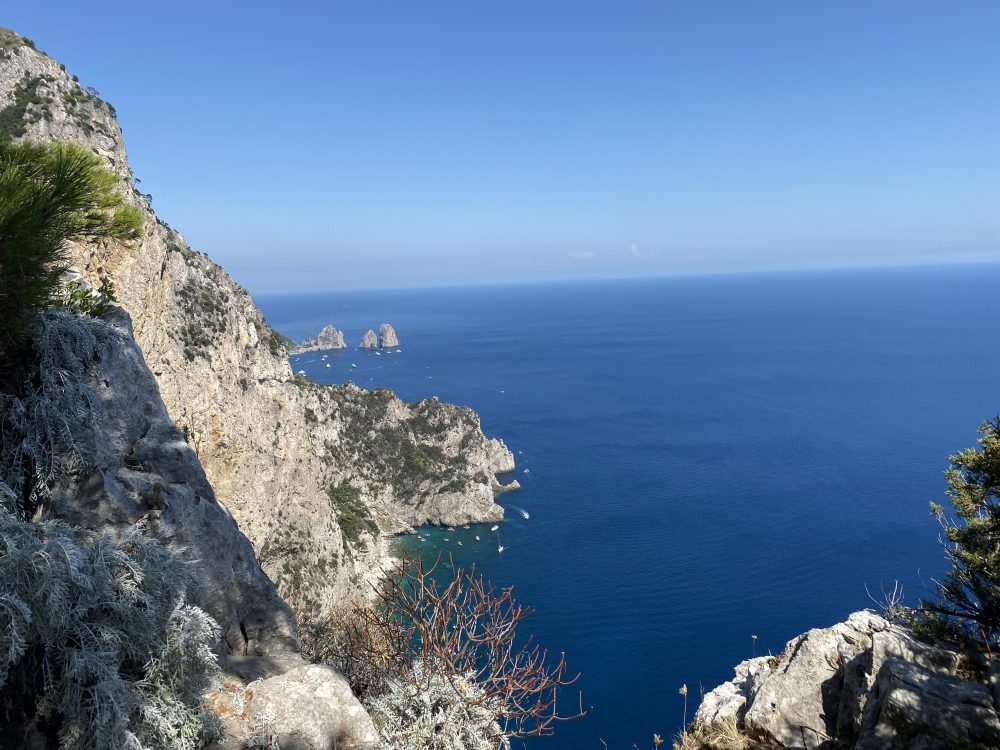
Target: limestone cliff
[
  {"x": 312, "y": 474},
  {"x": 866, "y": 683},
  {"x": 326, "y": 339}
]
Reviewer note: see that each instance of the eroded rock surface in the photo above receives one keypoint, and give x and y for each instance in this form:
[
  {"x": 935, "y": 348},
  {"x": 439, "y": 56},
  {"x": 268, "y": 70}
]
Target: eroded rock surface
[{"x": 864, "y": 683}]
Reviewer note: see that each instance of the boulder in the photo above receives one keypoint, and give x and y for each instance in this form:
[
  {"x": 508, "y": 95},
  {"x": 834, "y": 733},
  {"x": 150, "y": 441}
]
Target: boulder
[{"x": 311, "y": 708}]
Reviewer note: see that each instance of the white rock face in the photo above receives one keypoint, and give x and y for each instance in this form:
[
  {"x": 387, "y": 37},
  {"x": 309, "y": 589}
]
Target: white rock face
[
  {"x": 864, "y": 683},
  {"x": 326, "y": 339},
  {"x": 387, "y": 337},
  {"x": 271, "y": 443},
  {"x": 369, "y": 340}
]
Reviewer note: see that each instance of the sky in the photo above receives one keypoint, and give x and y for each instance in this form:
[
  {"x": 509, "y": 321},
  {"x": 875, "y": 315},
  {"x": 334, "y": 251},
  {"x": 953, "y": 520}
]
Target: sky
[{"x": 311, "y": 146}]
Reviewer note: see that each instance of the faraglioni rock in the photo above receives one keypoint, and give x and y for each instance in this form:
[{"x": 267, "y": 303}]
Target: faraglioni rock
[
  {"x": 866, "y": 683},
  {"x": 387, "y": 337},
  {"x": 369, "y": 340},
  {"x": 328, "y": 338}
]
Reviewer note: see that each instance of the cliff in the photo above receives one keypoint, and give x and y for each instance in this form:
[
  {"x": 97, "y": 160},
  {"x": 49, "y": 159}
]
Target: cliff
[
  {"x": 865, "y": 683},
  {"x": 313, "y": 475}
]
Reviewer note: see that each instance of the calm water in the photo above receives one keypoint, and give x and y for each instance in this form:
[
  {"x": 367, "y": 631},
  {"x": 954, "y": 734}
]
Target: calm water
[{"x": 703, "y": 459}]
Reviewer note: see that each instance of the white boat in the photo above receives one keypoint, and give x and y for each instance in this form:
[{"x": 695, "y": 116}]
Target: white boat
[
  {"x": 466, "y": 526},
  {"x": 327, "y": 364},
  {"x": 477, "y": 538},
  {"x": 451, "y": 528},
  {"x": 459, "y": 544},
  {"x": 500, "y": 548},
  {"x": 446, "y": 539},
  {"x": 525, "y": 514},
  {"x": 527, "y": 471},
  {"x": 494, "y": 528}
]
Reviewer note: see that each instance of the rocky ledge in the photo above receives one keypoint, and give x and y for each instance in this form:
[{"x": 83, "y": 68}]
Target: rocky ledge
[{"x": 865, "y": 683}]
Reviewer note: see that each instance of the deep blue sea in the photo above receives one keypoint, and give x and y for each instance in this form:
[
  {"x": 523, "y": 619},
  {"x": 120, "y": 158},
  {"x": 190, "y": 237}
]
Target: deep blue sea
[{"x": 703, "y": 459}]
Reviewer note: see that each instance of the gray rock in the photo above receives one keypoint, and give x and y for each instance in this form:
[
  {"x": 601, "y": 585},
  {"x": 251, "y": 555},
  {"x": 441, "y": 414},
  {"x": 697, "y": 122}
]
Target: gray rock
[
  {"x": 864, "y": 683},
  {"x": 311, "y": 708},
  {"x": 387, "y": 337},
  {"x": 326, "y": 339},
  {"x": 911, "y": 705},
  {"x": 369, "y": 340}
]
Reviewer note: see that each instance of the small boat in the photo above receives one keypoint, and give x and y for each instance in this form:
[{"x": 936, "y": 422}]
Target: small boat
[
  {"x": 378, "y": 354},
  {"x": 451, "y": 528},
  {"x": 500, "y": 548},
  {"x": 527, "y": 471},
  {"x": 466, "y": 526},
  {"x": 494, "y": 528},
  {"x": 477, "y": 537},
  {"x": 446, "y": 539},
  {"x": 327, "y": 364},
  {"x": 459, "y": 544}
]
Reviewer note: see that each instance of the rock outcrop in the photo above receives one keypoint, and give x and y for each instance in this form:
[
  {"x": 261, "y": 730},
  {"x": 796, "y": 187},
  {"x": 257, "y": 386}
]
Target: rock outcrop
[
  {"x": 326, "y": 339},
  {"x": 289, "y": 459},
  {"x": 387, "y": 337},
  {"x": 865, "y": 683},
  {"x": 369, "y": 340}
]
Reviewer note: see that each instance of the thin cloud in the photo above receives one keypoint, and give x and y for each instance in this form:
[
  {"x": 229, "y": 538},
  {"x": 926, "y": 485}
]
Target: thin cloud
[{"x": 582, "y": 255}]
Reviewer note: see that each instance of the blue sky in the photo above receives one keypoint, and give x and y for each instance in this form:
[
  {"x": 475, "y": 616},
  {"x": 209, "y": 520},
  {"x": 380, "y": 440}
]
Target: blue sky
[{"x": 315, "y": 145}]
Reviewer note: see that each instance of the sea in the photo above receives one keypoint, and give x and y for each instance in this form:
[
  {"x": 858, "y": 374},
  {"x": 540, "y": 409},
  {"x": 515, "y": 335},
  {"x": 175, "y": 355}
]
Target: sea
[{"x": 709, "y": 465}]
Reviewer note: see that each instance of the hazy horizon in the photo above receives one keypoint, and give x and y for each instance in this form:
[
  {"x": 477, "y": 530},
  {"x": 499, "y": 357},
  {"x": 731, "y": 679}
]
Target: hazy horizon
[{"x": 384, "y": 145}]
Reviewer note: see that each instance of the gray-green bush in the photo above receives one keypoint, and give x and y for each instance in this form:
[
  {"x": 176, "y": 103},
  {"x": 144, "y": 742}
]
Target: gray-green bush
[{"x": 98, "y": 643}]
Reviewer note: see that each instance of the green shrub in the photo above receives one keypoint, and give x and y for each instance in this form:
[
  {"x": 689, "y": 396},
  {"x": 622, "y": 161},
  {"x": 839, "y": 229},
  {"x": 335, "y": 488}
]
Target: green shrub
[
  {"x": 89, "y": 301},
  {"x": 353, "y": 516},
  {"x": 969, "y": 598},
  {"x": 49, "y": 195}
]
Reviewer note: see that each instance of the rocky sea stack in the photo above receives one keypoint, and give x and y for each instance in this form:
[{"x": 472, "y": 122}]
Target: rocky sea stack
[
  {"x": 327, "y": 339},
  {"x": 387, "y": 337},
  {"x": 369, "y": 340}
]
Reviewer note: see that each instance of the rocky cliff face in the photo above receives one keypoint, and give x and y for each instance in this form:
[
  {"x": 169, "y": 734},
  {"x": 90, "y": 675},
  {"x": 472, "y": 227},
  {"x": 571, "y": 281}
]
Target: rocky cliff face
[
  {"x": 387, "y": 337},
  {"x": 328, "y": 338},
  {"x": 312, "y": 474},
  {"x": 134, "y": 465},
  {"x": 865, "y": 683}
]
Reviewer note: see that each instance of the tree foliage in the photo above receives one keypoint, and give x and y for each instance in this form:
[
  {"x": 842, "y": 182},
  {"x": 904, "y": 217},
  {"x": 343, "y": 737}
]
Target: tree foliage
[
  {"x": 970, "y": 595},
  {"x": 50, "y": 195}
]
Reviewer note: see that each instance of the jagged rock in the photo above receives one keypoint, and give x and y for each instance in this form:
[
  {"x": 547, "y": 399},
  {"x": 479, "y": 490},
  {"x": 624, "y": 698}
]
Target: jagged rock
[
  {"x": 864, "y": 683},
  {"x": 387, "y": 337},
  {"x": 369, "y": 340},
  {"x": 311, "y": 708},
  {"x": 271, "y": 443},
  {"x": 796, "y": 705},
  {"x": 728, "y": 701},
  {"x": 913, "y": 706},
  {"x": 328, "y": 338}
]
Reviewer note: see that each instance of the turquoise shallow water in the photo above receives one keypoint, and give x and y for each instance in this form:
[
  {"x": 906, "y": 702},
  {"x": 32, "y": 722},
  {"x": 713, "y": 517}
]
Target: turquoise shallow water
[{"x": 703, "y": 459}]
